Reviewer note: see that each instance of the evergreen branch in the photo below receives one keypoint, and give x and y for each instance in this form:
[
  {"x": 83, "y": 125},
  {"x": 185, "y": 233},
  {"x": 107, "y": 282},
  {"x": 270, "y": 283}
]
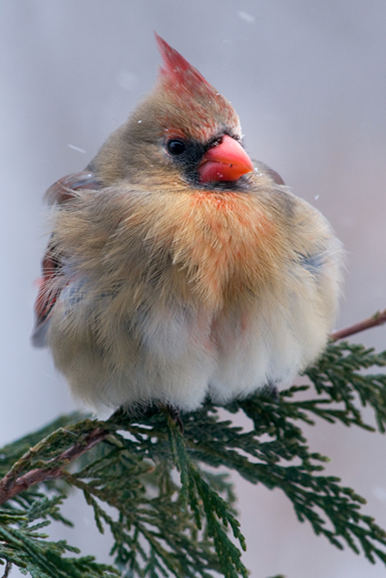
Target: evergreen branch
[
  {"x": 48, "y": 559},
  {"x": 12, "y": 452},
  {"x": 165, "y": 527},
  {"x": 338, "y": 374},
  {"x": 12, "y": 484},
  {"x": 181, "y": 554},
  {"x": 214, "y": 506},
  {"x": 379, "y": 318}
]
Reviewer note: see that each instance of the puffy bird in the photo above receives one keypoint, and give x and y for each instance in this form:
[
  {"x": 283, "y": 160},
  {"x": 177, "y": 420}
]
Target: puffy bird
[{"x": 177, "y": 268}]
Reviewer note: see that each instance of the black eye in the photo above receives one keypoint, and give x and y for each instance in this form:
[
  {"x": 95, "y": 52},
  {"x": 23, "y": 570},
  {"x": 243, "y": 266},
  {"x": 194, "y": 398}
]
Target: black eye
[{"x": 176, "y": 147}]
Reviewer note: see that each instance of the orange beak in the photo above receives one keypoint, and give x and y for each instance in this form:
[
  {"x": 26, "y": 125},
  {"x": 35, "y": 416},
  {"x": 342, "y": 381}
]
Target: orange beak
[{"x": 226, "y": 161}]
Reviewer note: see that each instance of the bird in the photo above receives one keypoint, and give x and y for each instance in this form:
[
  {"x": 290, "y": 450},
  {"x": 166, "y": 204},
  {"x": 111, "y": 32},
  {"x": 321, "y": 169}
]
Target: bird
[{"x": 178, "y": 269}]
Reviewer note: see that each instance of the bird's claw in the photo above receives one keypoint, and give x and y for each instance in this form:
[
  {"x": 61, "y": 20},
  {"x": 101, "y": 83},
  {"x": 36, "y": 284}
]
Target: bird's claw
[{"x": 176, "y": 417}]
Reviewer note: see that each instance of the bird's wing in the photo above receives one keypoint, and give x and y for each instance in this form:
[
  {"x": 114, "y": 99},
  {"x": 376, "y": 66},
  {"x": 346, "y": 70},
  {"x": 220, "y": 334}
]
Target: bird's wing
[
  {"x": 53, "y": 279},
  {"x": 63, "y": 190},
  {"x": 50, "y": 286},
  {"x": 273, "y": 174}
]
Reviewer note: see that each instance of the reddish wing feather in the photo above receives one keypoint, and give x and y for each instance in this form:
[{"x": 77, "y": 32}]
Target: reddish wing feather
[
  {"x": 53, "y": 280},
  {"x": 50, "y": 285}
]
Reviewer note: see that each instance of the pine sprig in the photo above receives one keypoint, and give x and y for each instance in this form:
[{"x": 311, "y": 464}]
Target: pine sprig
[
  {"x": 215, "y": 508},
  {"x": 339, "y": 375},
  {"x": 164, "y": 524},
  {"x": 12, "y": 452}
]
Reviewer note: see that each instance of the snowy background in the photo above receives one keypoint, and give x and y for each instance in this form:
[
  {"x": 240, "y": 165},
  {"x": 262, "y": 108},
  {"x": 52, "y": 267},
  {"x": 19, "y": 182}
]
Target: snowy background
[{"x": 308, "y": 80}]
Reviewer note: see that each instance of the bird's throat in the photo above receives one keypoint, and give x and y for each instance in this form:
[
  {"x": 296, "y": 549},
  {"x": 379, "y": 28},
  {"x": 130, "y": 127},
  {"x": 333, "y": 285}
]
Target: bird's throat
[{"x": 228, "y": 245}]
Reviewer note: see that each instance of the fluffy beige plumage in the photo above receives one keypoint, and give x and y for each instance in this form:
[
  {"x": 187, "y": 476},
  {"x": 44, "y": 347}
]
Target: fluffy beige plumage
[{"x": 176, "y": 268}]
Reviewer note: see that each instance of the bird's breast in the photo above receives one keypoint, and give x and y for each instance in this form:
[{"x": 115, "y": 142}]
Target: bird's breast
[
  {"x": 213, "y": 250},
  {"x": 226, "y": 247}
]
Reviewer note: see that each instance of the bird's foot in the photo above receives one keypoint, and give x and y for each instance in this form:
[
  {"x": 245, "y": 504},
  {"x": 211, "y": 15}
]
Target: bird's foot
[
  {"x": 271, "y": 392},
  {"x": 176, "y": 416}
]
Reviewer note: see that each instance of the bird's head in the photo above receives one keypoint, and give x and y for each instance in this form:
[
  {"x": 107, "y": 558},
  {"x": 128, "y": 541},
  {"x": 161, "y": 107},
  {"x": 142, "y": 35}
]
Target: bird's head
[{"x": 183, "y": 129}]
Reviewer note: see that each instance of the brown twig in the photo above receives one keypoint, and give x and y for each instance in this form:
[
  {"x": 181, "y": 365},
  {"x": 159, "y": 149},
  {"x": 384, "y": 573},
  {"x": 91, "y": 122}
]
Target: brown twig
[
  {"x": 8, "y": 567},
  {"x": 378, "y": 319},
  {"x": 10, "y": 485}
]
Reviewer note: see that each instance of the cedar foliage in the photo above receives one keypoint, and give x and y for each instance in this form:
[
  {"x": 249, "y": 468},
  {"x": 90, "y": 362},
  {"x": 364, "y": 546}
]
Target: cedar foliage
[{"x": 158, "y": 490}]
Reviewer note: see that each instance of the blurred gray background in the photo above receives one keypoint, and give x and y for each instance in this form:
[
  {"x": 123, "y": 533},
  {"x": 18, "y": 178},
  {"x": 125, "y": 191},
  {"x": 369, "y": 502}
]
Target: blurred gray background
[{"x": 308, "y": 80}]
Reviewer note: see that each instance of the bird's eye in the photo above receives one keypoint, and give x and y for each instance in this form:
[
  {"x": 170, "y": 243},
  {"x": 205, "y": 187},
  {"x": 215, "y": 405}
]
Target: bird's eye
[{"x": 176, "y": 147}]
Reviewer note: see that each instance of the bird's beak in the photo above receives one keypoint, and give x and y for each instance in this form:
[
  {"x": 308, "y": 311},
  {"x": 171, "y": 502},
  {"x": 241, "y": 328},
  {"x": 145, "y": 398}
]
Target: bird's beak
[{"x": 226, "y": 161}]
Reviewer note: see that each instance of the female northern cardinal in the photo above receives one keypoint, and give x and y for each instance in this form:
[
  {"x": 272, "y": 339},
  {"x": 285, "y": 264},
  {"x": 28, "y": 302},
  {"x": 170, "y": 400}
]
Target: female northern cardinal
[{"x": 177, "y": 268}]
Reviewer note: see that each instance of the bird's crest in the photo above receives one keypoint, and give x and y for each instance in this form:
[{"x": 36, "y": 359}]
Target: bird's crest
[
  {"x": 178, "y": 70},
  {"x": 193, "y": 96}
]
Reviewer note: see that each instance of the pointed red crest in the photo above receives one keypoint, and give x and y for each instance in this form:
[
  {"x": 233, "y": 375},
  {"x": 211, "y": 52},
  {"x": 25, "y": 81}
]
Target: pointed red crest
[
  {"x": 197, "y": 106},
  {"x": 176, "y": 68}
]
